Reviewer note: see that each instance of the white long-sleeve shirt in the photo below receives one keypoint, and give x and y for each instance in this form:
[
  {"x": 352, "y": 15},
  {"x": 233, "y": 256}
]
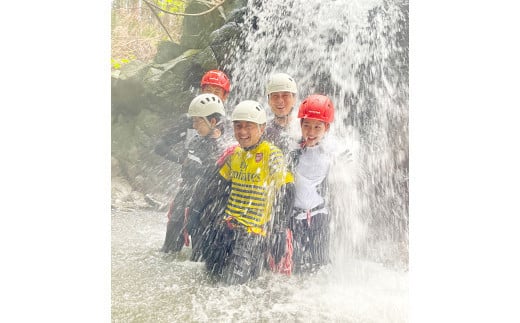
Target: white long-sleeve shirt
[{"x": 311, "y": 170}]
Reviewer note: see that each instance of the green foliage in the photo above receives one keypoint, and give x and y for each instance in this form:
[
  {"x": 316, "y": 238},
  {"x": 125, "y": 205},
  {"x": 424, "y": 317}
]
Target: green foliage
[
  {"x": 171, "y": 6},
  {"x": 135, "y": 31},
  {"x": 118, "y": 63}
]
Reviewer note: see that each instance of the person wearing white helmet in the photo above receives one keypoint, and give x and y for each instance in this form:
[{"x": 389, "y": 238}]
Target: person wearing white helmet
[
  {"x": 259, "y": 199},
  {"x": 281, "y": 92},
  {"x": 169, "y": 146},
  {"x": 207, "y": 114},
  {"x": 173, "y": 145}
]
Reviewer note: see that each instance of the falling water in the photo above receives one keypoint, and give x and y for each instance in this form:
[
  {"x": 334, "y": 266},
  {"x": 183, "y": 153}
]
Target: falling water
[{"x": 356, "y": 52}]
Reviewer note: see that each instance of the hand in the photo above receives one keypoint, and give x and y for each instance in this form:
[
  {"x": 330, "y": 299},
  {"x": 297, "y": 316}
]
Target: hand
[
  {"x": 175, "y": 156},
  {"x": 346, "y": 156}
]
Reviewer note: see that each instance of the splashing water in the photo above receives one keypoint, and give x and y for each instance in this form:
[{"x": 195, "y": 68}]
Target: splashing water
[
  {"x": 355, "y": 52},
  {"x": 150, "y": 286}
]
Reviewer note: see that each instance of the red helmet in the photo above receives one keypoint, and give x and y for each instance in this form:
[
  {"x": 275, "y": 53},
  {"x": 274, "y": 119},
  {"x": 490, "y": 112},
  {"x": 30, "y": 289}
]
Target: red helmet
[
  {"x": 318, "y": 107},
  {"x": 217, "y": 78}
]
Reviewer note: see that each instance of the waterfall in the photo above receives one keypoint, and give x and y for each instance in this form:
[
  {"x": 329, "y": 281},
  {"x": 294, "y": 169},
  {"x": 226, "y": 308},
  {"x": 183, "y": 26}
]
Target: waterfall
[{"x": 355, "y": 52}]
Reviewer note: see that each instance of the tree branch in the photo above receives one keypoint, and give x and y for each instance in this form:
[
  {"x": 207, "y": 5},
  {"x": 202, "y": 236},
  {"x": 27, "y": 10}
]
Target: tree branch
[
  {"x": 186, "y": 14},
  {"x": 159, "y": 19}
]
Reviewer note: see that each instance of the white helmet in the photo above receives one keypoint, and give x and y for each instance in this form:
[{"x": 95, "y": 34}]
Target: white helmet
[
  {"x": 206, "y": 104},
  {"x": 249, "y": 110},
  {"x": 281, "y": 82}
]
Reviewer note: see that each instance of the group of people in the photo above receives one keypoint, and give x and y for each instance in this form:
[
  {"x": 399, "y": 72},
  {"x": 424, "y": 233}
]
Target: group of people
[{"x": 260, "y": 201}]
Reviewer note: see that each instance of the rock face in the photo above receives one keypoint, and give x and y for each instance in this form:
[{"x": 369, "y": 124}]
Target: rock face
[{"x": 148, "y": 98}]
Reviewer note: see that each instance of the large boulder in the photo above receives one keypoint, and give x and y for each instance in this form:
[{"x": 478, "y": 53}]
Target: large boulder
[
  {"x": 166, "y": 51},
  {"x": 196, "y": 29},
  {"x": 149, "y": 97}
]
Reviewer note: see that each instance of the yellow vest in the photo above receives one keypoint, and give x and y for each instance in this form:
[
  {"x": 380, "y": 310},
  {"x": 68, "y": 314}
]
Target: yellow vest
[{"x": 256, "y": 175}]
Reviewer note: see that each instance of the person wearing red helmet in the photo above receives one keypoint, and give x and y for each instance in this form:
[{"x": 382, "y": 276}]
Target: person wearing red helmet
[
  {"x": 216, "y": 82},
  {"x": 310, "y": 165},
  {"x": 212, "y": 82}
]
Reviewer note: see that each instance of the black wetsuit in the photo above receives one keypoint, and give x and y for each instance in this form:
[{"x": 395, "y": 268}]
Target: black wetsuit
[
  {"x": 235, "y": 252},
  {"x": 168, "y": 146},
  {"x": 201, "y": 154},
  {"x": 279, "y": 136}
]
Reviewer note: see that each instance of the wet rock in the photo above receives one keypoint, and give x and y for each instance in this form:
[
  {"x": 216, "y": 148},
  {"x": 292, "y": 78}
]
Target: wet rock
[
  {"x": 115, "y": 169},
  {"x": 148, "y": 98},
  {"x": 206, "y": 60},
  {"x": 133, "y": 71},
  {"x": 166, "y": 51},
  {"x": 196, "y": 29},
  {"x": 225, "y": 41},
  {"x": 237, "y": 15}
]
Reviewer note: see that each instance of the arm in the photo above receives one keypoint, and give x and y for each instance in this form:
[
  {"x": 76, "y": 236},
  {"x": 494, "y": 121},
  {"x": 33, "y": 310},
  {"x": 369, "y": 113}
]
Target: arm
[
  {"x": 283, "y": 203},
  {"x": 213, "y": 186},
  {"x": 175, "y": 135},
  {"x": 176, "y": 156},
  {"x": 285, "y": 198},
  {"x": 281, "y": 218}
]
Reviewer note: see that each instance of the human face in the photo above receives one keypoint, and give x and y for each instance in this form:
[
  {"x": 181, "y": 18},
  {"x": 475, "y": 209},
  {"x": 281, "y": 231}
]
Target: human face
[
  {"x": 247, "y": 133},
  {"x": 201, "y": 126},
  {"x": 313, "y": 131},
  {"x": 281, "y": 103},
  {"x": 217, "y": 90}
]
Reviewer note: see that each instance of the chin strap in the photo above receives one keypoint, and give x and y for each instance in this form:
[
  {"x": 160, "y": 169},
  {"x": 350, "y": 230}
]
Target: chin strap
[{"x": 303, "y": 143}]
